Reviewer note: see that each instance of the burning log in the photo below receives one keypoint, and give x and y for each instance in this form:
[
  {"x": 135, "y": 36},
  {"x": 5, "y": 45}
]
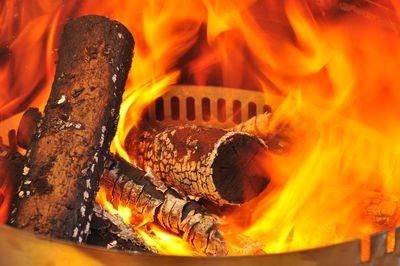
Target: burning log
[
  {"x": 209, "y": 163},
  {"x": 66, "y": 156},
  {"x": 148, "y": 196},
  {"x": 111, "y": 232}
]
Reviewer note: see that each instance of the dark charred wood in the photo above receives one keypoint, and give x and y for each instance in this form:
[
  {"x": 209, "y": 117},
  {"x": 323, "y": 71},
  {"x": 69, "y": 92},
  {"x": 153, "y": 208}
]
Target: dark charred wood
[
  {"x": 148, "y": 196},
  {"x": 221, "y": 166},
  {"x": 11, "y": 164},
  {"x": 66, "y": 156},
  {"x": 109, "y": 231},
  {"x": 27, "y": 127}
]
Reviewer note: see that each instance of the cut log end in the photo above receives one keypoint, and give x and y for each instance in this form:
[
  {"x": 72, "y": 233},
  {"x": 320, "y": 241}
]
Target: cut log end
[{"x": 237, "y": 165}]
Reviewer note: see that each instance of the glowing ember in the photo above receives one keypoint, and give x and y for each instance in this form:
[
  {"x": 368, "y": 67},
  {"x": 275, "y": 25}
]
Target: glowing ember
[{"x": 334, "y": 64}]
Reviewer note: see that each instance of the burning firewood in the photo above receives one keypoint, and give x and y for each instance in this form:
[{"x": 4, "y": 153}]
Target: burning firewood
[
  {"x": 149, "y": 197},
  {"x": 111, "y": 232},
  {"x": 210, "y": 163},
  {"x": 66, "y": 156}
]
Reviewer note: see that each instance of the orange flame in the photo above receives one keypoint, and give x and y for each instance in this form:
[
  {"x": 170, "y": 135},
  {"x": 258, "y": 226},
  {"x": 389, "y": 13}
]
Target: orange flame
[{"x": 334, "y": 64}]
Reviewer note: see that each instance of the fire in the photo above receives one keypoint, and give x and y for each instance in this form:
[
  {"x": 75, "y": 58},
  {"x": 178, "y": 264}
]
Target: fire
[
  {"x": 162, "y": 241},
  {"x": 334, "y": 64}
]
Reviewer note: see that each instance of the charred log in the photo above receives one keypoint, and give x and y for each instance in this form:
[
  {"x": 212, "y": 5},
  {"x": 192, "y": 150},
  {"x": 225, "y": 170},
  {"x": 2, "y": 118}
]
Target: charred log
[
  {"x": 148, "y": 196},
  {"x": 66, "y": 156},
  {"x": 109, "y": 231},
  {"x": 209, "y": 163}
]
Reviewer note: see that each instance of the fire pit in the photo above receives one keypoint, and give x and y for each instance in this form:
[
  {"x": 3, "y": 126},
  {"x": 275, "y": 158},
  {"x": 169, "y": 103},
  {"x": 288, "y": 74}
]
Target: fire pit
[{"x": 289, "y": 169}]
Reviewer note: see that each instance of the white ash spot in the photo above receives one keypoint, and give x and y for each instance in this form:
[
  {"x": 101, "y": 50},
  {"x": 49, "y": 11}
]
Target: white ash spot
[
  {"x": 83, "y": 210},
  {"x": 62, "y": 99},
  {"x": 96, "y": 157},
  {"x": 27, "y": 182},
  {"x": 114, "y": 78},
  {"x": 78, "y": 125},
  {"x": 112, "y": 244},
  {"x": 26, "y": 170},
  {"x": 80, "y": 239},
  {"x": 103, "y": 129},
  {"x": 75, "y": 232},
  {"x": 118, "y": 68},
  {"x": 87, "y": 228},
  {"x": 120, "y": 35},
  {"x": 88, "y": 185},
  {"x": 92, "y": 168},
  {"x": 85, "y": 195},
  {"x": 101, "y": 140},
  {"x": 21, "y": 194},
  {"x": 28, "y": 193}
]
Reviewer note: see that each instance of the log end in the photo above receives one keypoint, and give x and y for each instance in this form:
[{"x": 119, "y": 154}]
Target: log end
[{"x": 238, "y": 164}]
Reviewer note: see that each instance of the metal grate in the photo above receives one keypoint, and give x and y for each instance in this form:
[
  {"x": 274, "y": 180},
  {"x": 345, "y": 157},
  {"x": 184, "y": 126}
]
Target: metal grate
[{"x": 210, "y": 106}]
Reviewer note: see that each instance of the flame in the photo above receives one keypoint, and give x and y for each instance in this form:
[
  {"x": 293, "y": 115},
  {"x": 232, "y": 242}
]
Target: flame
[
  {"x": 333, "y": 63},
  {"x": 163, "y": 242}
]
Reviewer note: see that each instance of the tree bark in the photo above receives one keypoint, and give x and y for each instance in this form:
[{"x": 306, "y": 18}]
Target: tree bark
[
  {"x": 66, "y": 156},
  {"x": 221, "y": 166}
]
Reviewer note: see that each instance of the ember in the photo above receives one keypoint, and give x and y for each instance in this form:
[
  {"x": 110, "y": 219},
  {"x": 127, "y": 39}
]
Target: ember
[{"x": 329, "y": 160}]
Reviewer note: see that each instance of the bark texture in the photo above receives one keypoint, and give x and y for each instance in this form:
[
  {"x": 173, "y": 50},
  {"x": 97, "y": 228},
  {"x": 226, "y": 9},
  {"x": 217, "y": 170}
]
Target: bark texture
[
  {"x": 215, "y": 164},
  {"x": 66, "y": 156},
  {"x": 148, "y": 196}
]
